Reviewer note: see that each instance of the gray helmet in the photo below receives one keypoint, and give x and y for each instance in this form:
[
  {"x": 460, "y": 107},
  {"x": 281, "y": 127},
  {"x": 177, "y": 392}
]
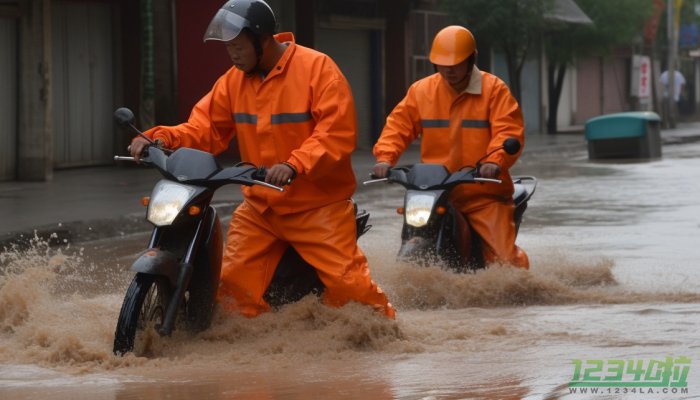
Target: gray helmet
[{"x": 236, "y": 15}]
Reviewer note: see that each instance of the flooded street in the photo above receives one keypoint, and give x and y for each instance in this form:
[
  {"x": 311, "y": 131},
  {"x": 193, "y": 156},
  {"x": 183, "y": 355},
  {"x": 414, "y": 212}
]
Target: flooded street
[{"x": 615, "y": 275}]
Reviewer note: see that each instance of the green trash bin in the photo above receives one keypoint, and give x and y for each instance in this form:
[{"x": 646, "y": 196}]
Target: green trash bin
[{"x": 624, "y": 135}]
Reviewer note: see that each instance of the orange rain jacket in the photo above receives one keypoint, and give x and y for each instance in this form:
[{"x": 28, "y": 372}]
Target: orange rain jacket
[
  {"x": 291, "y": 122},
  {"x": 308, "y": 120},
  {"x": 457, "y": 129}
]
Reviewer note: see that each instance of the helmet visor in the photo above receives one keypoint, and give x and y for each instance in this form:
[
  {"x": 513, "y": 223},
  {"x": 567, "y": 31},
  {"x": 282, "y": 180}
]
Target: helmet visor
[{"x": 225, "y": 26}]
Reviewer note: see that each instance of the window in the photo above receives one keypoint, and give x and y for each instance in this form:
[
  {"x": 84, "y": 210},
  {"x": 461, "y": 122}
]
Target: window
[{"x": 424, "y": 25}]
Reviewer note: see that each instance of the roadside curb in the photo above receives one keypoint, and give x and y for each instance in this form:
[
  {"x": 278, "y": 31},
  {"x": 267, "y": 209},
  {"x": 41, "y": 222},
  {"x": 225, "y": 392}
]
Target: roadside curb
[{"x": 74, "y": 232}]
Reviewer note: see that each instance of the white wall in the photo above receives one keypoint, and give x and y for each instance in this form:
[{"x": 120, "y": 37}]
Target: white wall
[
  {"x": 350, "y": 49},
  {"x": 84, "y": 82}
]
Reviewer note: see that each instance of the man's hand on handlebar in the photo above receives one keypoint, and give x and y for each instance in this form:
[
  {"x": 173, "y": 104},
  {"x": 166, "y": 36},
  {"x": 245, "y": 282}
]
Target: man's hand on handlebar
[
  {"x": 280, "y": 174},
  {"x": 380, "y": 170},
  {"x": 137, "y": 146},
  {"x": 489, "y": 170}
]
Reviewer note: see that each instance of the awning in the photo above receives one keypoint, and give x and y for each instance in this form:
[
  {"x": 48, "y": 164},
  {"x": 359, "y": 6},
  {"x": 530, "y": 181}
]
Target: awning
[{"x": 568, "y": 11}]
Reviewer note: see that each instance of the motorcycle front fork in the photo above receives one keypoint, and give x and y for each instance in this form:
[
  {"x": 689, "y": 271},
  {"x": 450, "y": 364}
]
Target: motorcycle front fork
[{"x": 186, "y": 266}]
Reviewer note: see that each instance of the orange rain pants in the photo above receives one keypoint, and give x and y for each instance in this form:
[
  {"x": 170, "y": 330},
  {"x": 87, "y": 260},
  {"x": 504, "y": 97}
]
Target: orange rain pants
[
  {"x": 324, "y": 237},
  {"x": 493, "y": 222}
]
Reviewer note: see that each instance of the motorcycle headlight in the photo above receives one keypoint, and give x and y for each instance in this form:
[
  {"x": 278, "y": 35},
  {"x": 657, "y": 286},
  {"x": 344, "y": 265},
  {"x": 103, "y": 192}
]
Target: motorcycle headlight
[
  {"x": 167, "y": 200},
  {"x": 418, "y": 208}
]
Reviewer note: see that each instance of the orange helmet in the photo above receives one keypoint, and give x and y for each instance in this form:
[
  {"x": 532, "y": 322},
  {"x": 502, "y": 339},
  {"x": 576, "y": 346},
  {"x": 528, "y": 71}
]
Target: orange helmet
[{"x": 452, "y": 45}]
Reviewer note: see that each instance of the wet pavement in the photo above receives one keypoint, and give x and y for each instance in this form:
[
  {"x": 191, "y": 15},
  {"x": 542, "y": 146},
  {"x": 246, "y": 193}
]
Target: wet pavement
[
  {"x": 91, "y": 203},
  {"x": 614, "y": 276}
]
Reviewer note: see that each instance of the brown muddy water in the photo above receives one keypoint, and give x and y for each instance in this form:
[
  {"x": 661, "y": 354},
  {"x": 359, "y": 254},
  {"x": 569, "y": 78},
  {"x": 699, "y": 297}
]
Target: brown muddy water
[{"x": 615, "y": 275}]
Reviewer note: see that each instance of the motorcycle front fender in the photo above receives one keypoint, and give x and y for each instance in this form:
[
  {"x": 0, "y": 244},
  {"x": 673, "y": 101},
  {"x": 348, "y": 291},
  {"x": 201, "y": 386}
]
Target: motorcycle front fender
[
  {"x": 157, "y": 262},
  {"x": 361, "y": 219},
  {"x": 414, "y": 248}
]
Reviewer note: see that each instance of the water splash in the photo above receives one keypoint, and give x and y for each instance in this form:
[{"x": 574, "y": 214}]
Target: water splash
[
  {"x": 560, "y": 281},
  {"x": 59, "y": 312}
]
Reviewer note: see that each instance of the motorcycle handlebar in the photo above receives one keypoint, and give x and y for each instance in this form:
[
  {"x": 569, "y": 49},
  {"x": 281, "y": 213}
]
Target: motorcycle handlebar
[
  {"x": 256, "y": 177},
  {"x": 488, "y": 180},
  {"x": 260, "y": 174},
  {"x": 375, "y": 180},
  {"x": 269, "y": 185},
  {"x": 454, "y": 178}
]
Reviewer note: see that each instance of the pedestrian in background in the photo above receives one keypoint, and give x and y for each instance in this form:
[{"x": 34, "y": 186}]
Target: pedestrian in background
[{"x": 670, "y": 107}]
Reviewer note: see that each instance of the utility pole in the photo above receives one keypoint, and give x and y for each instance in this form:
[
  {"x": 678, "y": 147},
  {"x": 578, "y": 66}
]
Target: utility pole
[{"x": 672, "y": 22}]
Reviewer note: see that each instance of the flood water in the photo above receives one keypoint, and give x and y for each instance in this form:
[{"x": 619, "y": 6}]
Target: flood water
[{"x": 615, "y": 275}]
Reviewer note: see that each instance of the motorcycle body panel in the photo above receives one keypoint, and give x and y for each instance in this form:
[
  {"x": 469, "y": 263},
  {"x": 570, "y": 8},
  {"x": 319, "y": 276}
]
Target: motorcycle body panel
[
  {"x": 182, "y": 262},
  {"x": 187, "y": 243},
  {"x": 206, "y": 274},
  {"x": 443, "y": 235}
]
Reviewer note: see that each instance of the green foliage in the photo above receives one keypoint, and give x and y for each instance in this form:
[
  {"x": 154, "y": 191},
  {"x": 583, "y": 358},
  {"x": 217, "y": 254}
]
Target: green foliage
[
  {"x": 615, "y": 23},
  {"x": 513, "y": 26},
  {"x": 516, "y": 26},
  {"x": 509, "y": 25}
]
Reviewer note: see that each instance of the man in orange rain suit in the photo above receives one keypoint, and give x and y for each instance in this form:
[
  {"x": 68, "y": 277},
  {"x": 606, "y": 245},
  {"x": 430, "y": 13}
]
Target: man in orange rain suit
[
  {"x": 462, "y": 113},
  {"x": 291, "y": 110}
]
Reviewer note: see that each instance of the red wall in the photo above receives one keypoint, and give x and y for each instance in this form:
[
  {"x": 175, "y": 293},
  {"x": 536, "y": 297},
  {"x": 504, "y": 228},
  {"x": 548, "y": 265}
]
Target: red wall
[{"x": 199, "y": 63}]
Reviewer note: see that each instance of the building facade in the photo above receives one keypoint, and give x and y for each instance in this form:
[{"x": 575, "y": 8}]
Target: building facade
[{"x": 66, "y": 65}]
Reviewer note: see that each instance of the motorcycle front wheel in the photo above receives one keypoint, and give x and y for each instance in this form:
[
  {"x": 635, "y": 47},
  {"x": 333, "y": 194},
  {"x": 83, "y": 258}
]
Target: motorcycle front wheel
[{"x": 142, "y": 313}]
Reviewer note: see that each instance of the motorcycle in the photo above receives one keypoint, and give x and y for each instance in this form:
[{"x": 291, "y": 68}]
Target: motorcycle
[
  {"x": 433, "y": 231},
  {"x": 177, "y": 276}
]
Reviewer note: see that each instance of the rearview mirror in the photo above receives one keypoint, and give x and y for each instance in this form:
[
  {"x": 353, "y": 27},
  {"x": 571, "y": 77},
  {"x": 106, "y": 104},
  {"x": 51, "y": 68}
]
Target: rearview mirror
[
  {"x": 124, "y": 117},
  {"x": 511, "y": 146}
]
